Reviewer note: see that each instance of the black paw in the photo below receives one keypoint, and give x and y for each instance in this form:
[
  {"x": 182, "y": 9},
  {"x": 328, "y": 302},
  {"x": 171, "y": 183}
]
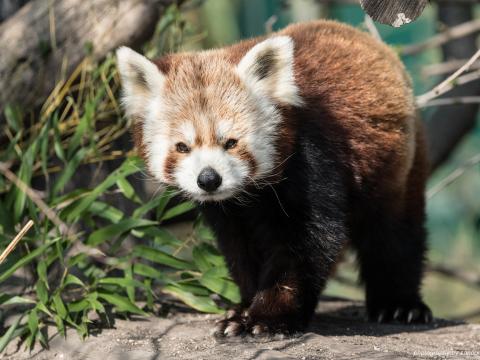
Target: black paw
[
  {"x": 408, "y": 313},
  {"x": 241, "y": 323}
]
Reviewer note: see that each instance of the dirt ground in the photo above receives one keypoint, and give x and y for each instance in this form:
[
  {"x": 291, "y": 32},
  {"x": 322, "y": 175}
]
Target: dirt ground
[{"x": 337, "y": 332}]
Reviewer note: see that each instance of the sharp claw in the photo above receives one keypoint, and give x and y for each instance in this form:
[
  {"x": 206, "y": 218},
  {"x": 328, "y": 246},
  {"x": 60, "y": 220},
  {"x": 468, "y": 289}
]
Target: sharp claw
[
  {"x": 428, "y": 317},
  {"x": 257, "y": 330},
  {"x": 230, "y": 314},
  {"x": 381, "y": 316},
  {"x": 397, "y": 313},
  {"x": 232, "y": 329},
  {"x": 412, "y": 315}
]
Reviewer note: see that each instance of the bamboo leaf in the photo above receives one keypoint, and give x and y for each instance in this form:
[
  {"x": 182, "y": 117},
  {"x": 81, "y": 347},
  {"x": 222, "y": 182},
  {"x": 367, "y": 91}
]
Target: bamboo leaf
[
  {"x": 112, "y": 231},
  {"x": 224, "y": 287},
  {"x": 60, "y": 308},
  {"x": 122, "y": 303},
  {"x": 8, "y": 336},
  {"x": 178, "y": 210},
  {"x": 161, "y": 257},
  {"x": 25, "y": 260},
  {"x": 200, "y": 303},
  {"x": 129, "y": 167}
]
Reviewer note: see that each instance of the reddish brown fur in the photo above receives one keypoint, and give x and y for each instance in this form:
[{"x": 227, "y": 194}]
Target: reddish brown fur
[
  {"x": 374, "y": 135},
  {"x": 376, "y": 125}
]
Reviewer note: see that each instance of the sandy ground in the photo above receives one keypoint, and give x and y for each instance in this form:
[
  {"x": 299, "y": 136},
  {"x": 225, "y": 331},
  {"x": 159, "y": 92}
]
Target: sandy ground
[{"x": 337, "y": 332}]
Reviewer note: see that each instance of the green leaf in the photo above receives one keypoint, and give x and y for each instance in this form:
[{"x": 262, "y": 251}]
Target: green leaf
[
  {"x": 42, "y": 292},
  {"x": 161, "y": 257},
  {"x": 148, "y": 271},
  {"x": 160, "y": 235},
  {"x": 127, "y": 190},
  {"x": 131, "y": 283},
  {"x": 8, "y": 336},
  {"x": 112, "y": 231},
  {"x": 69, "y": 171},
  {"x": 60, "y": 324},
  {"x": 42, "y": 272},
  {"x": 13, "y": 116},
  {"x": 225, "y": 288},
  {"x": 149, "y": 293},
  {"x": 178, "y": 210},
  {"x": 25, "y": 260},
  {"x": 60, "y": 308},
  {"x": 204, "y": 232},
  {"x": 121, "y": 303},
  {"x": 206, "y": 256},
  {"x": 200, "y": 259},
  {"x": 19, "y": 197},
  {"x": 122, "y": 282},
  {"x": 78, "y": 306},
  {"x": 159, "y": 202},
  {"x": 200, "y": 303},
  {"x": 14, "y": 300},
  {"x": 71, "y": 279},
  {"x": 43, "y": 308},
  {"x": 32, "y": 321},
  {"x": 129, "y": 167},
  {"x": 105, "y": 211}
]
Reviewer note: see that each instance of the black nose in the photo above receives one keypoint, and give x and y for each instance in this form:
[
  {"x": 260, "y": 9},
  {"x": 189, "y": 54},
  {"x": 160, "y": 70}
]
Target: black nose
[{"x": 209, "y": 180}]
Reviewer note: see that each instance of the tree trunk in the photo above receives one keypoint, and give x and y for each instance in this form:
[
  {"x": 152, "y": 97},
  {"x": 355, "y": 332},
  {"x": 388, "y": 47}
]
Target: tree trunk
[{"x": 47, "y": 39}]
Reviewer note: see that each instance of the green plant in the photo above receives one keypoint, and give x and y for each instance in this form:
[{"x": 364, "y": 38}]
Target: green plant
[{"x": 84, "y": 256}]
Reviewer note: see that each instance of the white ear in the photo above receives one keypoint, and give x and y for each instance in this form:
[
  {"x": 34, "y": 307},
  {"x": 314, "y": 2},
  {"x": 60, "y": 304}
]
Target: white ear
[
  {"x": 141, "y": 80},
  {"x": 267, "y": 69}
]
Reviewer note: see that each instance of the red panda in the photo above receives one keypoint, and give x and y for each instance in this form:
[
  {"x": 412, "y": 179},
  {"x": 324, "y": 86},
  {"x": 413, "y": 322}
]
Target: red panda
[{"x": 293, "y": 145}]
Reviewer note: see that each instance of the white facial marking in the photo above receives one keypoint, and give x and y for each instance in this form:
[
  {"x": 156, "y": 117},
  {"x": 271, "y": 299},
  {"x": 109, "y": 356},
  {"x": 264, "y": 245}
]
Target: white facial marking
[
  {"x": 232, "y": 170},
  {"x": 187, "y": 132}
]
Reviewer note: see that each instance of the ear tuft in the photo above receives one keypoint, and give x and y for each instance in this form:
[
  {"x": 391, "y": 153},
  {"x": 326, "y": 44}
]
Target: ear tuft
[
  {"x": 141, "y": 80},
  {"x": 267, "y": 69}
]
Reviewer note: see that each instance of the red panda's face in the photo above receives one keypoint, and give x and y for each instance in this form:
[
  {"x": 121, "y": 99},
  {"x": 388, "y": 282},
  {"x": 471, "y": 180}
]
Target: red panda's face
[{"x": 209, "y": 127}]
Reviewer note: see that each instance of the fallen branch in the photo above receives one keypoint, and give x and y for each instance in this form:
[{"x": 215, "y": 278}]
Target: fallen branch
[
  {"x": 454, "y": 175},
  {"x": 453, "y": 33},
  {"x": 449, "y": 83},
  {"x": 15, "y": 241}
]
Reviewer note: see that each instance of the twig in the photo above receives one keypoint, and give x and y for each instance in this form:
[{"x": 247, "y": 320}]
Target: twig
[
  {"x": 15, "y": 241},
  {"x": 372, "y": 29},
  {"x": 448, "y": 84},
  {"x": 454, "y": 175},
  {"x": 453, "y": 101},
  {"x": 455, "y": 32},
  {"x": 446, "y": 67}
]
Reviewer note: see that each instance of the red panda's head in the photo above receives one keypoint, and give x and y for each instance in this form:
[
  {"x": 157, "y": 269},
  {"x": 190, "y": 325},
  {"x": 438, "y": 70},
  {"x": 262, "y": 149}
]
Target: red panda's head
[{"x": 210, "y": 127}]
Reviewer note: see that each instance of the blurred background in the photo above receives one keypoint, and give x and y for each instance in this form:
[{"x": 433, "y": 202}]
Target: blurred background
[{"x": 58, "y": 83}]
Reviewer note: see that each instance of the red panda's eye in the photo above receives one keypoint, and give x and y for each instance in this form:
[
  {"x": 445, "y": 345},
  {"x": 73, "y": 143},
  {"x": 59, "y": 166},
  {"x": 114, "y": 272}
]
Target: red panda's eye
[
  {"x": 182, "y": 148},
  {"x": 230, "y": 144}
]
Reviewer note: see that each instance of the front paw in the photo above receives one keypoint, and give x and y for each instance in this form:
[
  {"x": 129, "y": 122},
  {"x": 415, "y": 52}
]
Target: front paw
[
  {"x": 404, "y": 312},
  {"x": 241, "y": 324},
  {"x": 231, "y": 325}
]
